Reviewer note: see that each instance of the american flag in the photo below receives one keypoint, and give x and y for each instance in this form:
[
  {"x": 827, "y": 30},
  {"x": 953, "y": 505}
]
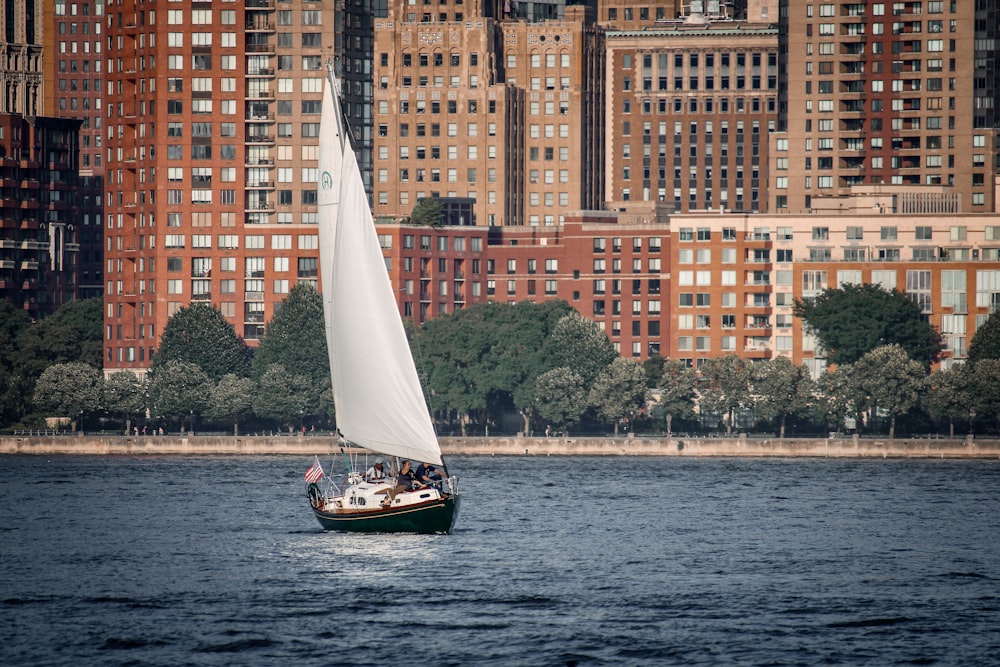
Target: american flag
[{"x": 315, "y": 472}]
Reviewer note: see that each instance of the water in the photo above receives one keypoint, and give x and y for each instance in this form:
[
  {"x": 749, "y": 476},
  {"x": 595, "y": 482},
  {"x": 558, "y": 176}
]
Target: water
[{"x": 218, "y": 561}]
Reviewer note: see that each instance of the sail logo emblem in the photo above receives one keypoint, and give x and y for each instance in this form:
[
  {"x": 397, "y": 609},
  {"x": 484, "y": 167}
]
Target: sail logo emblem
[{"x": 327, "y": 180}]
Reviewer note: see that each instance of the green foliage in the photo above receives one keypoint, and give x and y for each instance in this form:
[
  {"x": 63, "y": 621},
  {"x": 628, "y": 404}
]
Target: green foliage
[
  {"x": 560, "y": 397},
  {"x": 427, "y": 212},
  {"x": 296, "y": 338},
  {"x": 724, "y": 387},
  {"x": 947, "y": 396},
  {"x": 72, "y": 390},
  {"x": 677, "y": 391},
  {"x": 835, "y": 396},
  {"x": 200, "y": 334},
  {"x": 891, "y": 382},
  {"x": 71, "y": 334},
  {"x": 486, "y": 356},
  {"x": 619, "y": 391},
  {"x": 231, "y": 400},
  {"x": 14, "y": 382},
  {"x": 985, "y": 343},
  {"x": 780, "y": 389},
  {"x": 982, "y": 382},
  {"x": 578, "y": 343},
  {"x": 179, "y": 391},
  {"x": 855, "y": 319},
  {"x": 124, "y": 396},
  {"x": 283, "y": 397},
  {"x": 653, "y": 366}
]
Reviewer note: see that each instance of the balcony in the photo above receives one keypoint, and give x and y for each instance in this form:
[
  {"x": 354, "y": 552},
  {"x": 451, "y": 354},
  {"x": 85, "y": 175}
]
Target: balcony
[{"x": 259, "y": 206}]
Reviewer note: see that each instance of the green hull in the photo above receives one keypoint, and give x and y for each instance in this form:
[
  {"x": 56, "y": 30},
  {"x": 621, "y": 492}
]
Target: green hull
[{"x": 437, "y": 516}]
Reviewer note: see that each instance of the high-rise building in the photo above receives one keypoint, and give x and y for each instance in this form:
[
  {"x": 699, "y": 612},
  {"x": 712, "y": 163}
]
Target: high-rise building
[
  {"x": 21, "y": 38},
  {"x": 507, "y": 114},
  {"x": 894, "y": 93},
  {"x": 212, "y": 128},
  {"x": 39, "y": 214},
  {"x": 39, "y": 161},
  {"x": 73, "y": 77},
  {"x": 690, "y": 103}
]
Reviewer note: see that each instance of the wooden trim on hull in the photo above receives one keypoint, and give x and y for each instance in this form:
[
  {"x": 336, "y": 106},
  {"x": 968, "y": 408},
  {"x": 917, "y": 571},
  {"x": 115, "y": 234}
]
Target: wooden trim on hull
[{"x": 436, "y": 516}]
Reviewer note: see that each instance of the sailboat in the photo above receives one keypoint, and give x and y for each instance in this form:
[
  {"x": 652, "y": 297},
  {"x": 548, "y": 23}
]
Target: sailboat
[{"x": 379, "y": 401}]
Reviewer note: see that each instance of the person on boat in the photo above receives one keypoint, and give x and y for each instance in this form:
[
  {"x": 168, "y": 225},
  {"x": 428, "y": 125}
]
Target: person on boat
[
  {"x": 377, "y": 472},
  {"x": 405, "y": 481},
  {"x": 428, "y": 475}
]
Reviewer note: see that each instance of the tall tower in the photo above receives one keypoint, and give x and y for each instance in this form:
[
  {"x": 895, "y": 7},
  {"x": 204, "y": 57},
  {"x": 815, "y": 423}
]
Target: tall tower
[
  {"x": 73, "y": 85},
  {"x": 901, "y": 93},
  {"x": 21, "y": 37},
  {"x": 507, "y": 115},
  {"x": 213, "y": 132}
]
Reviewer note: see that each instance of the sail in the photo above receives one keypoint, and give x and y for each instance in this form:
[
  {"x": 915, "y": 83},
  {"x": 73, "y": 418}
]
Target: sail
[{"x": 377, "y": 393}]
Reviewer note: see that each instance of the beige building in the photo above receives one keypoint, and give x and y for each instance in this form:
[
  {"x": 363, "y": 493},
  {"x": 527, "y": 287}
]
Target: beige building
[
  {"x": 893, "y": 93},
  {"x": 21, "y": 45},
  {"x": 506, "y": 114}
]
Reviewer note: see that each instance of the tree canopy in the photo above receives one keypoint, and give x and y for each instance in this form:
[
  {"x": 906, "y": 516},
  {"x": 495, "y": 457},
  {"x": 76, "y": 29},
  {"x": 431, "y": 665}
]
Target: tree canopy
[
  {"x": 201, "y": 335},
  {"x": 295, "y": 338},
  {"x": 485, "y": 358},
  {"x": 890, "y": 381},
  {"x": 427, "y": 212},
  {"x": 73, "y": 390},
  {"x": 853, "y": 320},
  {"x": 985, "y": 344}
]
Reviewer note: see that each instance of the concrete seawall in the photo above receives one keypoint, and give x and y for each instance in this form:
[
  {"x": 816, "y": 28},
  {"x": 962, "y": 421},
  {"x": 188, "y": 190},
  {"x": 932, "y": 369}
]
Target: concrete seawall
[{"x": 737, "y": 446}]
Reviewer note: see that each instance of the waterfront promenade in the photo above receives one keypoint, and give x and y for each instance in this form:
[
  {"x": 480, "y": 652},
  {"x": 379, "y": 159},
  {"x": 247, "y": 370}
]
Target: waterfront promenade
[{"x": 308, "y": 445}]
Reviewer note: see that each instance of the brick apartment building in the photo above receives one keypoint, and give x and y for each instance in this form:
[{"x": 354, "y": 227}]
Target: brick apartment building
[{"x": 895, "y": 93}]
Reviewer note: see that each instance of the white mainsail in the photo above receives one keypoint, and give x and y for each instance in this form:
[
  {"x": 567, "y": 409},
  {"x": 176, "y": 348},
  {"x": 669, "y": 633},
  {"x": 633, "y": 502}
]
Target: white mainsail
[{"x": 376, "y": 390}]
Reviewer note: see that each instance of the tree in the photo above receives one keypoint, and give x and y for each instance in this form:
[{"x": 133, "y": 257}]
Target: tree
[
  {"x": 296, "y": 338},
  {"x": 780, "y": 389},
  {"x": 836, "y": 396},
  {"x": 985, "y": 343},
  {"x": 201, "y": 335},
  {"x": 854, "y": 319},
  {"x": 578, "y": 343},
  {"x": 947, "y": 396},
  {"x": 15, "y": 383},
  {"x": 427, "y": 212},
  {"x": 283, "y": 397},
  {"x": 891, "y": 381},
  {"x": 677, "y": 391},
  {"x": 124, "y": 396},
  {"x": 619, "y": 391},
  {"x": 653, "y": 366},
  {"x": 179, "y": 390},
  {"x": 724, "y": 387},
  {"x": 74, "y": 333},
  {"x": 231, "y": 400},
  {"x": 982, "y": 382},
  {"x": 560, "y": 397},
  {"x": 70, "y": 390},
  {"x": 484, "y": 359}
]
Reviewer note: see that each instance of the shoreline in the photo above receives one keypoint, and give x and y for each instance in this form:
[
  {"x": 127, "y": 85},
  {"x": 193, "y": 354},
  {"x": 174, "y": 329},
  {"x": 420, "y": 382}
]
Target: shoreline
[{"x": 309, "y": 445}]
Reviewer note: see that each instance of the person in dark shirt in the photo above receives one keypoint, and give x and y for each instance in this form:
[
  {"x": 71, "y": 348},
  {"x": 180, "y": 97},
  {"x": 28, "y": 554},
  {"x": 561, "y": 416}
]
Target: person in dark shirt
[
  {"x": 405, "y": 481},
  {"x": 428, "y": 475}
]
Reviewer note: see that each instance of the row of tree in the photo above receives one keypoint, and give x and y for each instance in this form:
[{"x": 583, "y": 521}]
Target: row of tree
[{"x": 543, "y": 362}]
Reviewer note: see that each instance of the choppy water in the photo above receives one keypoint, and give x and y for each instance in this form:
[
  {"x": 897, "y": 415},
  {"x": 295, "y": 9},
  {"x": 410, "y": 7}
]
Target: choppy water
[{"x": 218, "y": 561}]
